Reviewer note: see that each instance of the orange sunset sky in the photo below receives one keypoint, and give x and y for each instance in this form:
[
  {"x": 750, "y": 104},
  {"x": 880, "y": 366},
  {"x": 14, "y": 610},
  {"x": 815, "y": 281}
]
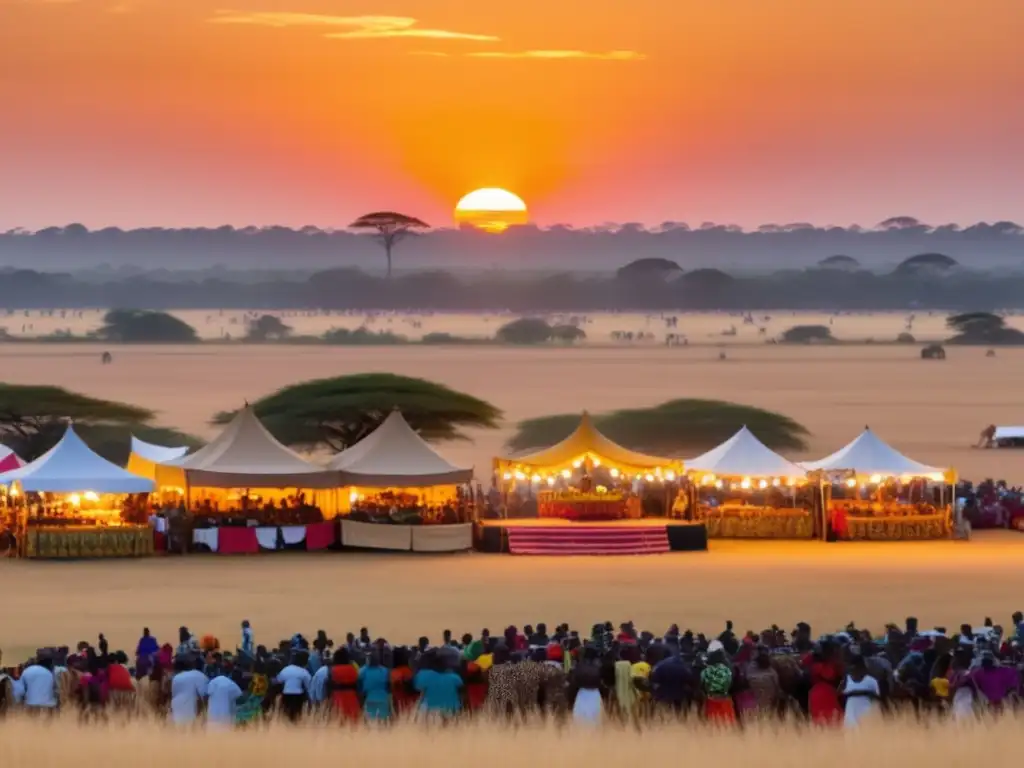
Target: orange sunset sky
[{"x": 205, "y": 112}]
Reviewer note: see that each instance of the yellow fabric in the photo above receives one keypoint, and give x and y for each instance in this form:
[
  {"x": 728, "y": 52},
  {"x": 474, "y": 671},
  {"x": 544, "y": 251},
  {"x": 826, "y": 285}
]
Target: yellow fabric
[
  {"x": 140, "y": 466},
  {"x": 641, "y": 669},
  {"x": 940, "y": 687},
  {"x": 486, "y": 661},
  {"x": 584, "y": 440},
  {"x": 58, "y": 543}
]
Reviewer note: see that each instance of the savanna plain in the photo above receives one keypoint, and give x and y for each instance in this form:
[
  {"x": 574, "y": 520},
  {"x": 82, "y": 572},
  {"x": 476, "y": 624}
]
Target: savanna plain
[{"x": 930, "y": 410}]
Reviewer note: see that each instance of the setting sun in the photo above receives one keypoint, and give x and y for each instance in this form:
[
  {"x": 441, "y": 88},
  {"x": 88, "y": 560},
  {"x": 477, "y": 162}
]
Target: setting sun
[{"x": 491, "y": 209}]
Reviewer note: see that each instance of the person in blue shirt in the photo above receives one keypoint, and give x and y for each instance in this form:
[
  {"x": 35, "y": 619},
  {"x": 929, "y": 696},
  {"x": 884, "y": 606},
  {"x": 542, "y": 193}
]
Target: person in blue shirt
[
  {"x": 374, "y": 687},
  {"x": 439, "y": 686},
  {"x": 145, "y": 654}
]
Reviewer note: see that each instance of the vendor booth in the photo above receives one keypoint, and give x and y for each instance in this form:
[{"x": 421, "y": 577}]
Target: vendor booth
[
  {"x": 399, "y": 493},
  {"x": 73, "y": 503},
  {"x": 587, "y": 477},
  {"x": 742, "y": 489},
  {"x": 145, "y": 457},
  {"x": 245, "y": 492},
  {"x": 872, "y": 491}
]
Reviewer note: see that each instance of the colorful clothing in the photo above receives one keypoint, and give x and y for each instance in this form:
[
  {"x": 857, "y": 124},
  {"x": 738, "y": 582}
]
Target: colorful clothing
[
  {"x": 716, "y": 680},
  {"x": 823, "y": 700},
  {"x": 403, "y": 695},
  {"x": 344, "y": 679},
  {"x": 250, "y": 706},
  {"x": 374, "y": 685}
]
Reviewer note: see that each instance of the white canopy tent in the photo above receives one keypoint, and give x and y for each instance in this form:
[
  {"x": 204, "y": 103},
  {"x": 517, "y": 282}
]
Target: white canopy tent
[
  {"x": 244, "y": 455},
  {"x": 158, "y": 454},
  {"x": 869, "y": 455},
  {"x": 72, "y": 466},
  {"x": 743, "y": 455},
  {"x": 394, "y": 455},
  {"x": 1008, "y": 433}
]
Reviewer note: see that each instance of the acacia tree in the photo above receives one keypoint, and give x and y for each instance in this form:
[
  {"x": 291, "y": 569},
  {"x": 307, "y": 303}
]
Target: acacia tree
[
  {"x": 678, "y": 427},
  {"x": 339, "y": 412},
  {"x": 391, "y": 227},
  {"x": 33, "y": 418}
]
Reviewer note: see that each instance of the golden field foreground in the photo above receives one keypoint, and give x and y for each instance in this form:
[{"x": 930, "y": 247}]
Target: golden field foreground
[
  {"x": 914, "y": 745},
  {"x": 404, "y": 596},
  {"x": 933, "y": 411}
]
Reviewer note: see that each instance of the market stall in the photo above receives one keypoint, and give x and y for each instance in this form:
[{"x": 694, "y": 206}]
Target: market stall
[
  {"x": 874, "y": 492},
  {"x": 743, "y": 489},
  {"x": 245, "y": 492},
  {"x": 587, "y": 477},
  {"x": 393, "y": 477},
  {"x": 73, "y": 503}
]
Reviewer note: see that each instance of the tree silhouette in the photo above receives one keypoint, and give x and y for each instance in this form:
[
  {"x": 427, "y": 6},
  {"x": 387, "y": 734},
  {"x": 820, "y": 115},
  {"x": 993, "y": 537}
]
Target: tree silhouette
[
  {"x": 678, "y": 427},
  {"x": 267, "y": 327},
  {"x": 33, "y": 419},
  {"x": 341, "y": 411},
  {"x": 982, "y": 328},
  {"x": 137, "y": 325},
  {"x": 391, "y": 227}
]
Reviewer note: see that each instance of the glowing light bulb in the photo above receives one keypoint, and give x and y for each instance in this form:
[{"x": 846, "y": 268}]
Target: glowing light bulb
[
  {"x": 551, "y": 481},
  {"x": 614, "y": 473},
  {"x": 91, "y": 496},
  {"x": 776, "y": 482},
  {"x": 520, "y": 476},
  {"x": 746, "y": 483},
  {"x": 876, "y": 479},
  {"x": 535, "y": 478},
  {"x": 577, "y": 464},
  {"x": 75, "y": 499},
  {"x": 763, "y": 484},
  {"x": 670, "y": 476},
  {"x": 597, "y": 462},
  {"x": 649, "y": 478},
  {"x": 851, "y": 483},
  {"x": 507, "y": 476},
  {"x": 718, "y": 484}
]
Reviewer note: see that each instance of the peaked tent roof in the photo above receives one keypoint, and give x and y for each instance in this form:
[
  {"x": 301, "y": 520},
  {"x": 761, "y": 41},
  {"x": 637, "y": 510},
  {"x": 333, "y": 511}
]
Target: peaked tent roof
[
  {"x": 71, "y": 466},
  {"x": 868, "y": 454},
  {"x": 157, "y": 453},
  {"x": 395, "y": 455},
  {"x": 743, "y": 455},
  {"x": 245, "y": 455},
  {"x": 587, "y": 439}
]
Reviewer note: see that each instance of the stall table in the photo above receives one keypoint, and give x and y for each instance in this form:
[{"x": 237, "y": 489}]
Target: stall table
[
  {"x": 742, "y": 521},
  {"x": 908, "y": 528},
  {"x": 81, "y": 542}
]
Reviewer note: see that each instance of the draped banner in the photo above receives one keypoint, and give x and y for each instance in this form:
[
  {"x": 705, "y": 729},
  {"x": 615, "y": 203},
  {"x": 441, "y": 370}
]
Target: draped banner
[
  {"x": 239, "y": 541},
  {"x": 376, "y": 536},
  {"x": 267, "y": 537},
  {"x": 207, "y": 537},
  {"x": 442, "y": 538},
  {"x": 321, "y": 535},
  {"x": 61, "y": 543}
]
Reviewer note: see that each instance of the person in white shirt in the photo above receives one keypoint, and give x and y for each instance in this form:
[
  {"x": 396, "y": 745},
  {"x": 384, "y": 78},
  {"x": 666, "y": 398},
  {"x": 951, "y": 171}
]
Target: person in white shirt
[
  {"x": 860, "y": 692},
  {"x": 296, "y": 685},
  {"x": 188, "y": 688},
  {"x": 223, "y": 693},
  {"x": 37, "y": 687}
]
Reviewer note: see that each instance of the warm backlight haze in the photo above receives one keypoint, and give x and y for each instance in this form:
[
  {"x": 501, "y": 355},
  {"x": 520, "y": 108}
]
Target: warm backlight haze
[
  {"x": 491, "y": 210},
  {"x": 295, "y": 112}
]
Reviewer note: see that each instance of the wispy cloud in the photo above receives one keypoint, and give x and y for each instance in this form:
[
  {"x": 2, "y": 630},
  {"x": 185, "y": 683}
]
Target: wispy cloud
[
  {"x": 347, "y": 27},
  {"x": 560, "y": 54}
]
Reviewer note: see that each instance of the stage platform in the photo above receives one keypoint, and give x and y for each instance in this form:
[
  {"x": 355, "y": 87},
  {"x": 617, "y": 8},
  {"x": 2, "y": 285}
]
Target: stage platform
[{"x": 615, "y": 537}]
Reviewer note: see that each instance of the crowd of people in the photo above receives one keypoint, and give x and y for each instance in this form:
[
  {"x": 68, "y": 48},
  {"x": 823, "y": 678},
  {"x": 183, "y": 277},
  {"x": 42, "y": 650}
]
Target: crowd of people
[{"x": 625, "y": 675}]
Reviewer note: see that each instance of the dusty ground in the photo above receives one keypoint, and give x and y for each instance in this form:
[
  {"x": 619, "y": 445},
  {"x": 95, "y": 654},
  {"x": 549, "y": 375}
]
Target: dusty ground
[
  {"x": 405, "y": 596},
  {"x": 931, "y": 410}
]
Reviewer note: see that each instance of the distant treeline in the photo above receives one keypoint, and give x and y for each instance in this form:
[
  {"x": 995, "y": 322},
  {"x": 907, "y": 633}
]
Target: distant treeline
[
  {"x": 603, "y": 248},
  {"x": 631, "y": 289}
]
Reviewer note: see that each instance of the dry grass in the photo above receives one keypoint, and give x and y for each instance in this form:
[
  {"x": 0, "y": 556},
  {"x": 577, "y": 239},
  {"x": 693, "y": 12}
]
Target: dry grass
[{"x": 992, "y": 744}]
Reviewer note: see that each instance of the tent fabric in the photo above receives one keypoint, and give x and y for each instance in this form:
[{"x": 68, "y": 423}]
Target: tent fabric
[
  {"x": 868, "y": 454},
  {"x": 586, "y": 439},
  {"x": 72, "y": 466},
  {"x": 158, "y": 454},
  {"x": 394, "y": 455},
  {"x": 1009, "y": 433},
  {"x": 376, "y": 536},
  {"x": 245, "y": 455},
  {"x": 9, "y": 459},
  {"x": 743, "y": 455},
  {"x": 442, "y": 538}
]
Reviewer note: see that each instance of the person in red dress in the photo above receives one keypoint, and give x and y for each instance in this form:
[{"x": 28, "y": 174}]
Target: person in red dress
[
  {"x": 344, "y": 678},
  {"x": 403, "y": 695},
  {"x": 826, "y": 674}
]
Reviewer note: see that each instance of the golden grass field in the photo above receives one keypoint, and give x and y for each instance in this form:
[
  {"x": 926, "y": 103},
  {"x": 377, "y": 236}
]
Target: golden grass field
[
  {"x": 933, "y": 411},
  {"x": 992, "y": 744}
]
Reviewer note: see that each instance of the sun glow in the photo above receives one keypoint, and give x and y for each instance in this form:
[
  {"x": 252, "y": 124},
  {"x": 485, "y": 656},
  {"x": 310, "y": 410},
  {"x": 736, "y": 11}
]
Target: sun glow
[{"x": 491, "y": 209}]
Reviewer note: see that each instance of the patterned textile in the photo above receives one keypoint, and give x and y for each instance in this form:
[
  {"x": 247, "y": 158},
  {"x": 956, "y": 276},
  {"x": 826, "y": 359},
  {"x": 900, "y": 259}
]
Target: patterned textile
[
  {"x": 503, "y": 688},
  {"x": 250, "y": 707},
  {"x": 764, "y": 685},
  {"x": 716, "y": 680},
  {"x": 61, "y": 543}
]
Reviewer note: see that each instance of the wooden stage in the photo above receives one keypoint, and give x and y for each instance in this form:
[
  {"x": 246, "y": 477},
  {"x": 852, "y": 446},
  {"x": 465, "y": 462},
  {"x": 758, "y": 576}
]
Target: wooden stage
[{"x": 554, "y": 536}]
